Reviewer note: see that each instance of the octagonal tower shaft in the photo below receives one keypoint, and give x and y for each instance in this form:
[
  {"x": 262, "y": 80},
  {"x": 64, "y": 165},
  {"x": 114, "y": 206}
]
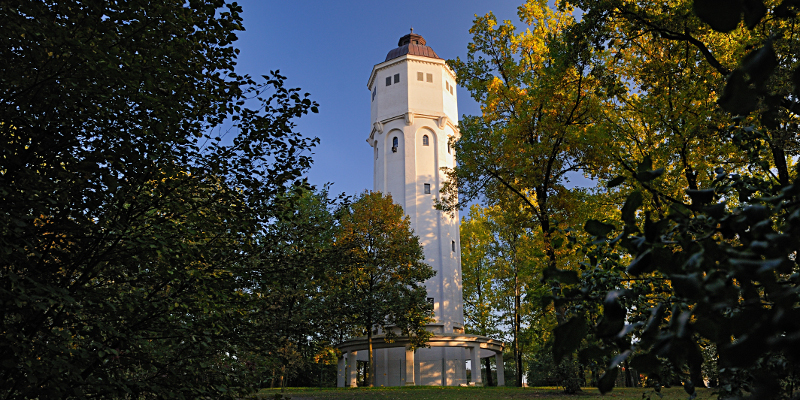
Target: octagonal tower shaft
[{"x": 413, "y": 118}]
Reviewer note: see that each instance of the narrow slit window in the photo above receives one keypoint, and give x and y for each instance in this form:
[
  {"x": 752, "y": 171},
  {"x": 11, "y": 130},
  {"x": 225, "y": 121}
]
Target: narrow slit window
[
  {"x": 425, "y": 140},
  {"x": 451, "y": 89},
  {"x": 453, "y": 245},
  {"x": 420, "y": 76},
  {"x": 446, "y": 85},
  {"x": 426, "y": 188},
  {"x": 394, "y": 144},
  {"x": 396, "y": 78},
  {"x": 430, "y": 77},
  {"x": 376, "y": 149},
  {"x": 388, "y": 80},
  {"x": 374, "y": 92}
]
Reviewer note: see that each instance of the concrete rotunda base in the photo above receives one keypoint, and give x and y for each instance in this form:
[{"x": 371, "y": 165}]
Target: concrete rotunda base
[{"x": 443, "y": 364}]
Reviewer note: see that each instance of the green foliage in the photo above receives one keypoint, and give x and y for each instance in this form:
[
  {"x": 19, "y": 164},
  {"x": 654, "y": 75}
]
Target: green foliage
[
  {"x": 129, "y": 225},
  {"x": 380, "y": 274},
  {"x": 728, "y": 255},
  {"x": 689, "y": 265}
]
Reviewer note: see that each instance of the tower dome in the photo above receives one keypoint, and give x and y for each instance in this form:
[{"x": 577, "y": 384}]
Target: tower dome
[{"x": 413, "y": 44}]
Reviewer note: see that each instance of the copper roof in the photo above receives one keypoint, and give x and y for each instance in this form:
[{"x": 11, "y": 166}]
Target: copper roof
[{"x": 411, "y": 44}]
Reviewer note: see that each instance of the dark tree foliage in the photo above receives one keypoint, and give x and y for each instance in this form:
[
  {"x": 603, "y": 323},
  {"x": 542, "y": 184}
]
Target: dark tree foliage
[
  {"x": 719, "y": 272},
  {"x": 126, "y": 223}
]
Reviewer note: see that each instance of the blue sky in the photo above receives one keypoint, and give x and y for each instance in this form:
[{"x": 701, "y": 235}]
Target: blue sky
[{"x": 328, "y": 48}]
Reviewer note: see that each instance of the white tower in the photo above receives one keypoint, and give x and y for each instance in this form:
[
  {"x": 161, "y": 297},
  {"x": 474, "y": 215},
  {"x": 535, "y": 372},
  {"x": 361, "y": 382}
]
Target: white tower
[{"x": 414, "y": 112}]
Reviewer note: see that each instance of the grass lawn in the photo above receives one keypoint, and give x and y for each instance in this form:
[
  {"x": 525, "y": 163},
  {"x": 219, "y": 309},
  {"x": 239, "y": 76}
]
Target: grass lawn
[{"x": 473, "y": 393}]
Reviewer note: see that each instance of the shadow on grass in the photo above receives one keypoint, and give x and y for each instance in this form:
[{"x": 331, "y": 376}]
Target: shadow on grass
[{"x": 472, "y": 393}]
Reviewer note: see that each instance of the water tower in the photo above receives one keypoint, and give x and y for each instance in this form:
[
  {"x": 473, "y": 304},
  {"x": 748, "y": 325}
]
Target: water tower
[{"x": 413, "y": 120}]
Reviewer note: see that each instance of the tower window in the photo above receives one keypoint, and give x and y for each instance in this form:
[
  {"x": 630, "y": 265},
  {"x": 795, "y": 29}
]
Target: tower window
[
  {"x": 446, "y": 85},
  {"x": 426, "y": 188},
  {"x": 453, "y": 245},
  {"x": 451, "y": 89},
  {"x": 394, "y": 144},
  {"x": 425, "y": 140},
  {"x": 374, "y": 92},
  {"x": 396, "y": 78},
  {"x": 430, "y": 77},
  {"x": 388, "y": 80},
  {"x": 376, "y": 149},
  {"x": 420, "y": 76}
]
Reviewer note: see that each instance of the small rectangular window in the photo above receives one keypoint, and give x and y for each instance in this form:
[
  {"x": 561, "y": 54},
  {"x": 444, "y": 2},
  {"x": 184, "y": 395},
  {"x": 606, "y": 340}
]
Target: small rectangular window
[
  {"x": 420, "y": 76},
  {"x": 446, "y": 85},
  {"x": 396, "y": 78},
  {"x": 374, "y": 92},
  {"x": 453, "y": 245},
  {"x": 426, "y": 188},
  {"x": 451, "y": 89},
  {"x": 430, "y": 77},
  {"x": 388, "y": 80}
]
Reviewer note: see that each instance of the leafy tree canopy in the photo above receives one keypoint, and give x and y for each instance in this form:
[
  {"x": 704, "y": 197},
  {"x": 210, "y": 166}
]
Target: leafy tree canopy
[{"x": 136, "y": 177}]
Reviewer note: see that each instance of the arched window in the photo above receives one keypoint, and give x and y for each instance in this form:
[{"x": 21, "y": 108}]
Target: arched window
[
  {"x": 394, "y": 144},
  {"x": 425, "y": 140}
]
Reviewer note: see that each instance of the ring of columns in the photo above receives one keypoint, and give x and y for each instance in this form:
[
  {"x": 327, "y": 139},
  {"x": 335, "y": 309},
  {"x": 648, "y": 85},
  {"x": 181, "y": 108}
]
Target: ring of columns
[{"x": 479, "y": 347}]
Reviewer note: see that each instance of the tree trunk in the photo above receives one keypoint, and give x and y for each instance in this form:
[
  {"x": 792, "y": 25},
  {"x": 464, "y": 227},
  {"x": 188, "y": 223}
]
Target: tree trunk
[
  {"x": 517, "y": 323},
  {"x": 571, "y": 382},
  {"x": 779, "y": 158},
  {"x": 628, "y": 376},
  {"x": 371, "y": 374},
  {"x": 272, "y": 381}
]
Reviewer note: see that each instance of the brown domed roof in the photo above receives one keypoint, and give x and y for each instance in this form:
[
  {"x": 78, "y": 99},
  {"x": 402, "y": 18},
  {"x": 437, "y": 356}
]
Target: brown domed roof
[{"x": 411, "y": 44}]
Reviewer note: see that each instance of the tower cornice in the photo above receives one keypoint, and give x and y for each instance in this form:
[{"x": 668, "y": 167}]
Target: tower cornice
[
  {"x": 441, "y": 121},
  {"x": 408, "y": 58}
]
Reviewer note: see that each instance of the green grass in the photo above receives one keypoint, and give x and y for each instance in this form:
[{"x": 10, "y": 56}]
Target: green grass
[{"x": 473, "y": 393}]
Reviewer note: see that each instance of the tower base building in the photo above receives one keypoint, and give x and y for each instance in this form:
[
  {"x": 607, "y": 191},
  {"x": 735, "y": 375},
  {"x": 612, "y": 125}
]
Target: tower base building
[{"x": 413, "y": 120}]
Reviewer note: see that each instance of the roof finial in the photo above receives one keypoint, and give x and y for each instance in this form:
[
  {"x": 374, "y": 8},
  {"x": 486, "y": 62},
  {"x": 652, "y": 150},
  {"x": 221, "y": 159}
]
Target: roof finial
[{"x": 412, "y": 29}]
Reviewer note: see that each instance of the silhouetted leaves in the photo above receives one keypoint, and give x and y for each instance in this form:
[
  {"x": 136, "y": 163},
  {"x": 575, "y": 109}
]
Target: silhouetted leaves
[
  {"x": 568, "y": 337},
  {"x": 598, "y": 228},
  {"x": 720, "y": 15},
  {"x": 606, "y": 382}
]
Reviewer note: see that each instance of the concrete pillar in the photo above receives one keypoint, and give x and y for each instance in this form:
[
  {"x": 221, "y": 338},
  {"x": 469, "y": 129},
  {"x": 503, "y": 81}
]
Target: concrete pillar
[
  {"x": 475, "y": 362},
  {"x": 410, "y": 367},
  {"x": 341, "y": 371},
  {"x": 352, "y": 367},
  {"x": 501, "y": 371}
]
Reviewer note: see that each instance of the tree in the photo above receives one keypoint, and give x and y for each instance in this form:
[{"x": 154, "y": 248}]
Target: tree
[
  {"x": 709, "y": 64},
  {"x": 726, "y": 251},
  {"x": 502, "y": 284},
  {"x": 127, "y": 222},
  {"x": 382, "y": 272},
  {"x": 537, "y": 97},
  {"x": 288, "y": 283}
]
